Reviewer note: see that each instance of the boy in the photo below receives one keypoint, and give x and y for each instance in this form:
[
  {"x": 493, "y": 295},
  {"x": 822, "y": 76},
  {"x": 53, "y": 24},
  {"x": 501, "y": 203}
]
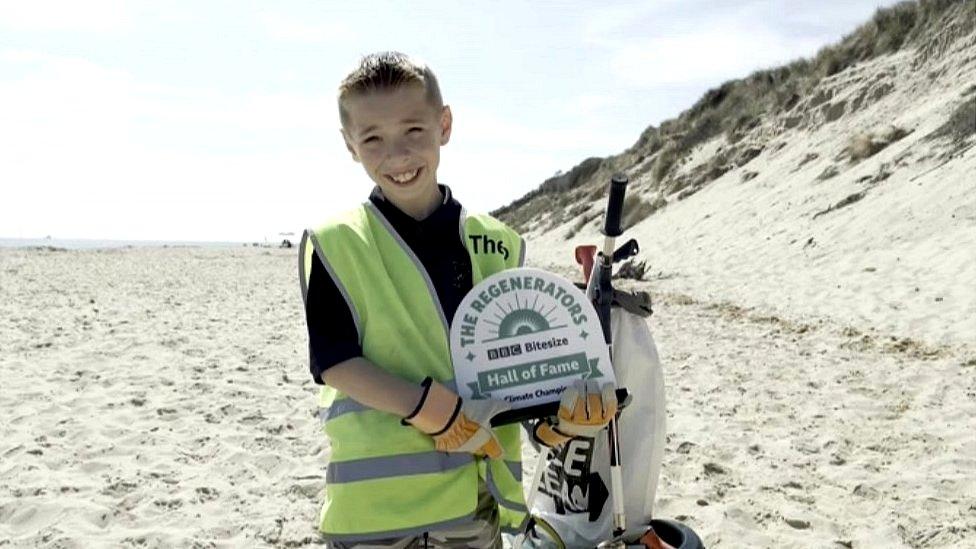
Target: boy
[{"x": 412, "y": 463}]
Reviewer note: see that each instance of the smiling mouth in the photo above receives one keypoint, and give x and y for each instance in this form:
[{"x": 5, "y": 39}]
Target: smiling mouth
[{"x": 404, "y": 178}]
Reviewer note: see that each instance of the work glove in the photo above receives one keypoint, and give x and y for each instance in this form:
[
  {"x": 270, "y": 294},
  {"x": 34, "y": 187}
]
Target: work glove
[
  {"x": 585, "y": 409},
  {"x": 457, "y": 425}
]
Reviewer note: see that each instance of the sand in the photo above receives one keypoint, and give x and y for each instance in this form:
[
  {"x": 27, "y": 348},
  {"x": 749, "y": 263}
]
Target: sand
[
  {"x": 155, "y": 398},
  {"x": 160, "y": 398}
]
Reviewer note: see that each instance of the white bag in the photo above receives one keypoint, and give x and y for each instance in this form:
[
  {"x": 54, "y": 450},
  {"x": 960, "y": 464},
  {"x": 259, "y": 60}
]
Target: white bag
[{"x": 573, "y": 497}]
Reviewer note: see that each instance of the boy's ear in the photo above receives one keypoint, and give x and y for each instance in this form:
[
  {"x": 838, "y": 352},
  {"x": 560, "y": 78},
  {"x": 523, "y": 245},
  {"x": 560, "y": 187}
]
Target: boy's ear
[
  {"x": 447, "y": 120},
  {"x": 352, "y": 151}
]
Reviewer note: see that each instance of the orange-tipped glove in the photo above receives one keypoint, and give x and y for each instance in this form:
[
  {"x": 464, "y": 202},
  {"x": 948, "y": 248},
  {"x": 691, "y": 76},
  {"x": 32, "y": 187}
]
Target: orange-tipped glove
[
  {"x": 457, "y": 425},
  {"x": 584, "y": 410}
]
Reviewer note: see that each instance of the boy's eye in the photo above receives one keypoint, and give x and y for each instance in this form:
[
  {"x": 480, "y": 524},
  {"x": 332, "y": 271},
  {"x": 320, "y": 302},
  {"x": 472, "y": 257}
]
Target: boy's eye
[
  {"x": 371, "y": 139},
  {"x": 415, "y": 129}
]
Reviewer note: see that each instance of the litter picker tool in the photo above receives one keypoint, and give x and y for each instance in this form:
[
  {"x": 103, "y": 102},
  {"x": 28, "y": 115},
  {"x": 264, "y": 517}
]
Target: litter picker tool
[{"x": 600, "y": 291}]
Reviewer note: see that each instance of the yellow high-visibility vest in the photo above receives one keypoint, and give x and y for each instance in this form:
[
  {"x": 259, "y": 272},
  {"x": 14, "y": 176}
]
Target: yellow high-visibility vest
[{"x": 383, "y": 479}]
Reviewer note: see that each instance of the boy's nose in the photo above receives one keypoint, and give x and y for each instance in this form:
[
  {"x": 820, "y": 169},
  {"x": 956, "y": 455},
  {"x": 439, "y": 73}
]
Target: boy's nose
[{"x": 399, "y": 151}]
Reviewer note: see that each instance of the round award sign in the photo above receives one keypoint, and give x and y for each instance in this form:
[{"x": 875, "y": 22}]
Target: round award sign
[{"x": 523, "y": 336}]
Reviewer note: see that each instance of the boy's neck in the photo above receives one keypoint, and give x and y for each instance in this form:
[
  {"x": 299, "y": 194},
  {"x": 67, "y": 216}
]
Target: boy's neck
[{"x": 422, "y": 207}]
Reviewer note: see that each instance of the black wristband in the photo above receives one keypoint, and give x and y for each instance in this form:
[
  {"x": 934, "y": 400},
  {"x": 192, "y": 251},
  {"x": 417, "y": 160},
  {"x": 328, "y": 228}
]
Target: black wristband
[{"x": 420, "y": 404}]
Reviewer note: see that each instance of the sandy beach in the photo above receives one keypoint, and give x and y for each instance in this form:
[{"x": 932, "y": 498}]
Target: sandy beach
[
  {"x": 160, "y": 398},
  {"x": 156, "y": 398}
]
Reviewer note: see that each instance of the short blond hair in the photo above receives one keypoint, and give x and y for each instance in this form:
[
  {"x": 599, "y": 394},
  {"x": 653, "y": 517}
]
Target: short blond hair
[{"x": 384, "y": 71}]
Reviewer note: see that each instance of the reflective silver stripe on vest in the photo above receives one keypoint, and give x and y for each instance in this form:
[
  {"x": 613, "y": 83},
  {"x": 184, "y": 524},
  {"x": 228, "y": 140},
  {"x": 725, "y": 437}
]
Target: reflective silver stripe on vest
[
  {"x": 403, "y": 532},
  {"x": 344, "y": 406},
  {"x": 302, "y": 275},
  {"x": 516, "y": 468},
  {"x": 342, "y": 289},
  {"x": 498, "y": 495},
  {"x": 341, "y": 407},
  {"x": 521, "y": 262},
  {"x": 394, "y": 466},
  {"x": 420, "y": 267},
  {"x": 461, "y": 219}
]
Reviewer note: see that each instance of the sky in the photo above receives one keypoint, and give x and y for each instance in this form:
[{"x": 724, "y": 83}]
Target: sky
[{"x": 216, "y": 120}]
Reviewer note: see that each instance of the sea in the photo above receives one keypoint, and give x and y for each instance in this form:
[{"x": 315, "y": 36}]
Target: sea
[{"x": 94, "y": 244}]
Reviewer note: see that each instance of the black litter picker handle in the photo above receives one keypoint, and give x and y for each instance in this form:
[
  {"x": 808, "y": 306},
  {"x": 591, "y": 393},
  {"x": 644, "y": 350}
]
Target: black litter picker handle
[
  {"x": 602, "y": 290},
  {"x": 615, "y": 205},
  {"x": 549, "y": 409}
]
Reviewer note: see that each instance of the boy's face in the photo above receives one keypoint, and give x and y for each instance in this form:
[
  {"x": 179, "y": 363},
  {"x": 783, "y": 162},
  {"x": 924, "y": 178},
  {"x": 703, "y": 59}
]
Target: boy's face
[{"x": 396, "y": 135}]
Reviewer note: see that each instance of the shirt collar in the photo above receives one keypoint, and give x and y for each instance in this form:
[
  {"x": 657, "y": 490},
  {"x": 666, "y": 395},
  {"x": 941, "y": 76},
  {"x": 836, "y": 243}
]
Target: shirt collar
[{"x": 446, "y": 213}]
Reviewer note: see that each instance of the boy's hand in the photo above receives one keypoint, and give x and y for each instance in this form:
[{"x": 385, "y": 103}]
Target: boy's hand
[
  {"x": 584, "y": 410},
  {"x": 457, "y": 425}
]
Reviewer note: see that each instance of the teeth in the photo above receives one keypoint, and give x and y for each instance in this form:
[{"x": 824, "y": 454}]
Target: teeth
[{"x": 405, "y": 176}]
